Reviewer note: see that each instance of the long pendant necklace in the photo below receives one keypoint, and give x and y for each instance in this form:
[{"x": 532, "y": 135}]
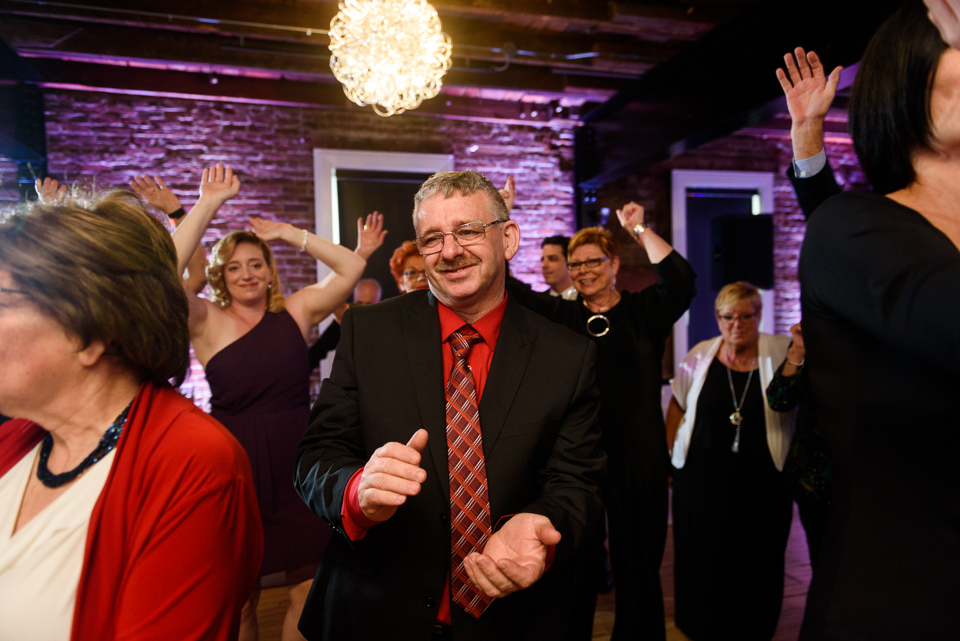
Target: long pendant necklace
[
  {"x": 736, "y": 418},
  {"x": 107, "y": 442},
  {"x": 598, "y": 325}
]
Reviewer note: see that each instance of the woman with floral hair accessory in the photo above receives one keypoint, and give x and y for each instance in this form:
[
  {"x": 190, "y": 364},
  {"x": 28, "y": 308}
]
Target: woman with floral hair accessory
[{"x": 252, "y": 344}]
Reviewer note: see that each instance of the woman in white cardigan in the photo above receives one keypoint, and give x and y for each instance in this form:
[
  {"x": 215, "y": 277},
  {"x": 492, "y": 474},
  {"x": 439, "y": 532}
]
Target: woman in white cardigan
[{"x": 731, "y": 510}]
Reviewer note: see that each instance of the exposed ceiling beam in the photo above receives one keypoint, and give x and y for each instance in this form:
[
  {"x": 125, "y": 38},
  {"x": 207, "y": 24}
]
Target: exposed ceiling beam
[
  {"x": 153, "y": 82},
  {"x": 241, "y": 17},
  {"x": 677, "y": 20},
  {"x": 212, "y": 53},
  {"x": 684, "y": 17},
  {"x": 472, "y": 39}
]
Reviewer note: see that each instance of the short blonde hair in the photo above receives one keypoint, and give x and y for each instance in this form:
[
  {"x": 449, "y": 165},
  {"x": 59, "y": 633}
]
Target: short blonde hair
[
  {"x": 598, "y": 236},
  {"x": 222, "y": 253},
  {"x": 106, "y": 270},
  {"x": 733, "y": 293}
]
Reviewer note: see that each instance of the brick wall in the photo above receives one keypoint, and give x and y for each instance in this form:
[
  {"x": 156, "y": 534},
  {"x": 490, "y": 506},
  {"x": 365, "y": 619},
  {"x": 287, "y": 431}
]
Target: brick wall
[
  {"x": 739, "y": 152},
  {"x": 9, "y": 194},
  {"x": 101, "y": 140}
]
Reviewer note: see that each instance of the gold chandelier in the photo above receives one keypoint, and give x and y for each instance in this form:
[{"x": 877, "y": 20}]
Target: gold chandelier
[{"x": 389, "y": 53}]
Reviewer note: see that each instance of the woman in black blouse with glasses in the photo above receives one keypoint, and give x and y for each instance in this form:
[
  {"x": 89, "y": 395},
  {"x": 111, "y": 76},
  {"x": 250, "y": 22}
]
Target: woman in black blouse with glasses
[{"x": 630, "y": 330}]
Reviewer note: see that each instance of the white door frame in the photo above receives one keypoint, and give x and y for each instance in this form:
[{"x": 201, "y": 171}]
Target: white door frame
[
  {"x": 326, "y": 162},
  {"x": 681, "y": 179}
]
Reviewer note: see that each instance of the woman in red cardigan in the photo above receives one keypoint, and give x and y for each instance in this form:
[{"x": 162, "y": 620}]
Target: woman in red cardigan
[{"x": 125, "y": 512}]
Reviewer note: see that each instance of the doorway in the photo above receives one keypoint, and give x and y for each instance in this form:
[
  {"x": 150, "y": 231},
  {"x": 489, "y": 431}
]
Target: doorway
[
  {"x": 703, "y": 201},
  {"x": 348, "y": 184}
]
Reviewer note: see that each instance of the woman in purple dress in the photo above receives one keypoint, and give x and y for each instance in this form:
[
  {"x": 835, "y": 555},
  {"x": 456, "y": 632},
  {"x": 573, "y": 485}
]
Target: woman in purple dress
[{"x": 252, "y": 344}]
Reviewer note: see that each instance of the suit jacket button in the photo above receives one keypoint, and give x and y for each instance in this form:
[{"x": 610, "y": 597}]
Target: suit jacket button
[
  {"x": 430, "y": 602},
  {"x": 443, "y": 517}
]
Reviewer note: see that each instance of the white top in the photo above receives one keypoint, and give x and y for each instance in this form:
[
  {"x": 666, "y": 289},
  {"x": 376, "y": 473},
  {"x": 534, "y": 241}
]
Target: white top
[
  {"x": 689, "y": 379},
  {"x": 40, "y": 565}
]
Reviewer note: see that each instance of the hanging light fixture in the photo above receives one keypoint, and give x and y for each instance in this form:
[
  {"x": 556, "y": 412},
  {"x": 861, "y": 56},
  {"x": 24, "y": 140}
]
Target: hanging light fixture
[{"x": 389, "y": 53}]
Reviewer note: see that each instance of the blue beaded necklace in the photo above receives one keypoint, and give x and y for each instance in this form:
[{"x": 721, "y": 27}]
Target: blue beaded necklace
[{"x": 107, "y": 442}]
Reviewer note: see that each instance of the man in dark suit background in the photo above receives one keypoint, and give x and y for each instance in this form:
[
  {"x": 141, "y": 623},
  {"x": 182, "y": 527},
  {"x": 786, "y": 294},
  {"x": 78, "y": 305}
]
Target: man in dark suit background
[{"x": 375, "y": 461}]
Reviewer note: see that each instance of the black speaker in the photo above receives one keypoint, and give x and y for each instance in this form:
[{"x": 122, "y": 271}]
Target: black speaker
[{"x": 742, "y": 250}]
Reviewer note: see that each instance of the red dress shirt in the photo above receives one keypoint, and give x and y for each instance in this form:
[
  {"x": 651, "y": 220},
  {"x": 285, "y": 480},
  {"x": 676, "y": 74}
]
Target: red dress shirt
[{"x": 355, "y": 523}]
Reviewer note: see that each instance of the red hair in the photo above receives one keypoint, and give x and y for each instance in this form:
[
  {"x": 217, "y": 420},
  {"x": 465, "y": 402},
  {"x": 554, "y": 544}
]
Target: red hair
[{"x": 406, "y": 249}]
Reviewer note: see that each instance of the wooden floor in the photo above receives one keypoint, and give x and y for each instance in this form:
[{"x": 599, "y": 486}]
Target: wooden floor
[
  {"x": 273, "y": 603},
  {"x": 796, "y": 581}
]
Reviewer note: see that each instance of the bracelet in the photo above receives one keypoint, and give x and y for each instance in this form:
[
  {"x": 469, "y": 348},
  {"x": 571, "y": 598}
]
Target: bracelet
[
  {"x": 797, "y": 365},
  {"x": 177, "y": 214},
  {"x": 303, "y": 244},
  {"x": 638, "y": 229}
]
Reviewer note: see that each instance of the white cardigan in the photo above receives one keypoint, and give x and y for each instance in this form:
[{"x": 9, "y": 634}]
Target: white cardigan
[{"x": 689, "y": 380}]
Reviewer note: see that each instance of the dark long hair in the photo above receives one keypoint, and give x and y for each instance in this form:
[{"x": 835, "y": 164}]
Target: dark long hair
[{"x": 890, "y": 99}]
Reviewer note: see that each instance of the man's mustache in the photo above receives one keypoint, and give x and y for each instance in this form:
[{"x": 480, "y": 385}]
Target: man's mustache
[{"x": 459, "y": 263}]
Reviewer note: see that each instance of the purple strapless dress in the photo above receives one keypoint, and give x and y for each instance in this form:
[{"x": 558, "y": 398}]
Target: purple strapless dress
[{"x": 260, "y": 390}]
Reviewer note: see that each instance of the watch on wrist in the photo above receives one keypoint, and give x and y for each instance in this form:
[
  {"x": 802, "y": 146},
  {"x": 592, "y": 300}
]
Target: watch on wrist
[{"x": 638, "y": 229}]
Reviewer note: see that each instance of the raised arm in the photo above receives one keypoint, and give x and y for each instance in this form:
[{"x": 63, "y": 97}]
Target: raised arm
[
  {"x": 155, "y": 191},
  {"x": 312, "y": 304},
  {"x": 809, "y": 95},
  {"x": 370, "y": 235},
  {"x": 659, "y": 307},
  {"x": 49, "y": 191},
  {"x": 509, "y": 192},
  {"x": 218, "y": 184},
  {"x": 631, "y": 217}
]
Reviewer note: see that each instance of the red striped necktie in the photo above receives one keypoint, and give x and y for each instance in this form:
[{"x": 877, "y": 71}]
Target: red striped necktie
[{"x": 469, "y": 502}]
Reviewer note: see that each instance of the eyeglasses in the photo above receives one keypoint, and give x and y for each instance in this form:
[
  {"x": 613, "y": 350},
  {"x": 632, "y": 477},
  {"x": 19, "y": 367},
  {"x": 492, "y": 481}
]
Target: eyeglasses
[
  {"x": 466, "y": 234},
  {"x": 591, "y": 263},
  {"x": 730, "y": 318},
  {"x": 414, "y": 274}
]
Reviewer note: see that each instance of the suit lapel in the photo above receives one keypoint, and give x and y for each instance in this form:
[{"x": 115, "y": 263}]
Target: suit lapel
[
  {"x": 510, "y": 358},
  {"x": 421, "y": 331}
]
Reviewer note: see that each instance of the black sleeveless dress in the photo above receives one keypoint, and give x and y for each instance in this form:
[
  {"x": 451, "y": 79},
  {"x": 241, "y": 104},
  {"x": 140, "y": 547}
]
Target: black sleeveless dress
[
  {"x": 260, "y": 391},
  {"x": 731, "y": 519}
]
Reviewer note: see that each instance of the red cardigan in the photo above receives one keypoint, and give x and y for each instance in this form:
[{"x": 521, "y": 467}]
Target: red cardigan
[{"x": 175, "y": 541}]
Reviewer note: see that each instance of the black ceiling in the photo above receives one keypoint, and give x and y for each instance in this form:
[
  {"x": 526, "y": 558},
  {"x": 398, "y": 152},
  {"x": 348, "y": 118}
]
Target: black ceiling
[{"x": 723, "y": 83}]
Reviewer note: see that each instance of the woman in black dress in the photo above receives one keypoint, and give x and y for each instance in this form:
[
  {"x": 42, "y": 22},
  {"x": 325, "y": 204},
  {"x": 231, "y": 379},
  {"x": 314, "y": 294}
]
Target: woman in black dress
[
  {"x": 630, "y": 330},
  {"x": 251, "y": 341},
  {"x": 731, "y": 509},
  {"x": 881, "y": 324}
]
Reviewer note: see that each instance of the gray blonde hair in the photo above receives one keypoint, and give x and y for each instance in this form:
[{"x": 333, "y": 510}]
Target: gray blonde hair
[
  {"x": 733, "y": 293},
  {"x": 464, "y": 183}
]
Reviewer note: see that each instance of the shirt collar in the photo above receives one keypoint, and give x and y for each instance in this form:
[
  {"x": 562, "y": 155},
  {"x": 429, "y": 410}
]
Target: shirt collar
[{"x": 488, "y": 326}]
